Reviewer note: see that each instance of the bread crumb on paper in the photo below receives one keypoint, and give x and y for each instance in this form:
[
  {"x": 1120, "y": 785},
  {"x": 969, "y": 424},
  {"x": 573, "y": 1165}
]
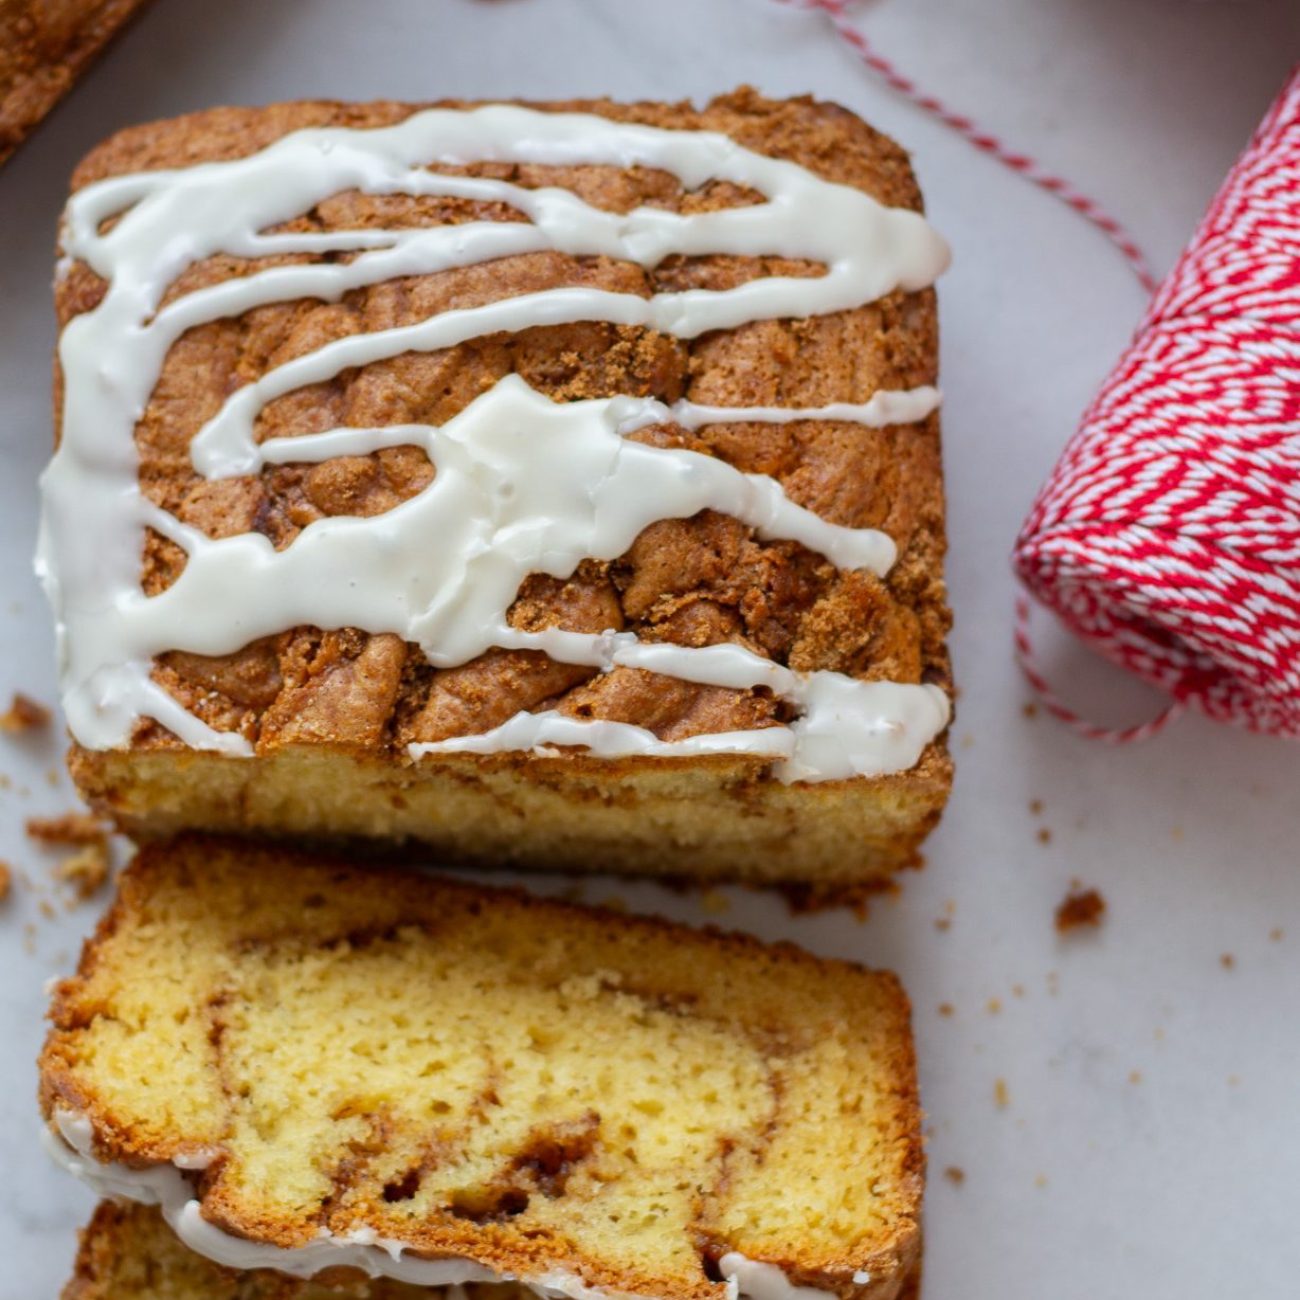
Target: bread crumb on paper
[
  {"x": 1080, "y": 908},
  {"x": 24, "y": 715},
  {"x": 86, "y": 871},
  {"x": 73, "y": 828}
]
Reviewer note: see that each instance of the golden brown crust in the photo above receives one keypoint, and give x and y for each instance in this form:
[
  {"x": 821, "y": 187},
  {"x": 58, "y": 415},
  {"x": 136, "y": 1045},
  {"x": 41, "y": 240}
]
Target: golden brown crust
[
  {"x": 694, "y": 582},
  {"x": 812, "y": 1024},
  {"x": 127, "y": 1252},
  {"x": 713, "y": 818},
  {"x": 45, "y": 45}
]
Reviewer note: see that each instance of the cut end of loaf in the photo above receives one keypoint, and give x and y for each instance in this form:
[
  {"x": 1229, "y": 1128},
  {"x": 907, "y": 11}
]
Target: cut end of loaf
[{"x": 717, "y": 818}]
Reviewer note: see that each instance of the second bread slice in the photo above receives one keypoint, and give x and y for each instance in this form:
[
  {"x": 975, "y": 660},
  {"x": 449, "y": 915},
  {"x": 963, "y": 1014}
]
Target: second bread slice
[
  {"x": 128, "y": 1253},
  {"x": 317, "y": 1067}
]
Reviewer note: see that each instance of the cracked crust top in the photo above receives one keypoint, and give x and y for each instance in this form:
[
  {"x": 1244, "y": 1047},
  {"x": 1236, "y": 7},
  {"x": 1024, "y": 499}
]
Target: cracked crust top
[{"x": 695, "y": 582}]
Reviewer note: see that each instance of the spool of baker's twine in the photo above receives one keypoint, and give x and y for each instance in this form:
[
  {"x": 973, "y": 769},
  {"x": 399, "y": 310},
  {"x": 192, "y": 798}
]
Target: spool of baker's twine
[{"x": 1168, "y": 535}]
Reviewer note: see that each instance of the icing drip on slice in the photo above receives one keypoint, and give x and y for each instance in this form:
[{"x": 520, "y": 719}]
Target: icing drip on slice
[{"x": 523, "y": 485}]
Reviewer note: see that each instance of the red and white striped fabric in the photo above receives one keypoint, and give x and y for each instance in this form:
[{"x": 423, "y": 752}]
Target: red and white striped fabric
[{"x": 1168, "y": 536}]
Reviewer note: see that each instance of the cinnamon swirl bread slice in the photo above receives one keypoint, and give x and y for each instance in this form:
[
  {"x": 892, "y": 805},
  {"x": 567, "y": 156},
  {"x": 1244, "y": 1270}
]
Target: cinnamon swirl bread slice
[{"x": 315, "y": 1067}]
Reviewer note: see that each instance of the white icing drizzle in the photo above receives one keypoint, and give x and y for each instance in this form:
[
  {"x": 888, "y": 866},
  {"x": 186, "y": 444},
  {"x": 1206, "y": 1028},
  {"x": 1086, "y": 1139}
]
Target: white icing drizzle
[
  {"x": 167, "y": 1186},
  {"x": 761, "y": 1281},
  {"x": 523, "y": 484},
  {"x": 845, "y": 727}
]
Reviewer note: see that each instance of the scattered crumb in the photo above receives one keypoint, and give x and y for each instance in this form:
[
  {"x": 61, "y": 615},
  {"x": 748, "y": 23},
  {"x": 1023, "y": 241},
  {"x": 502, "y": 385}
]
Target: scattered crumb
[
  {"x": 1053, "y": 983},
  {"x": 1030, "y": 709},
  {"x": 24, "y": 715},
  {"x": 1176, "y": 834},
  {"x": 53, "y": 776},
  {"x": 1234, "y": 1081},
  {"x": 1080, "y": 907},
  {"x": 943, "y": 923},
  {"x": 1041, "y": 1180},
  {"x": 1159, "y": 1035},
  {"x": 994, "y": 1006},
  {"x": 5, "y": 782},
  {"x": 947, "y": 1009},
  {"x": 1276, "y": 934},
  {"x": 85, "y": 871},
  {"x": 1018, "y": 990},
  {"x": 805, "y": 899},
  {"x": 1036, "y": 807},
  {"x": 6, "y": 880},
  {"x": 714, "y": 902},
  {"x": 29, "y": 938},
  {"x": 1044, "y": 835},
  {"x": 47, "y": 909},
  {"x": 1001, "y": 1094},
  {"x": 967, "y": 741},
  {"x": 1135, "y": 1076},
  {"x": 74, "y": 828},
  {"x": 955, "y": 1174},
  {"x": 1228, "y": 961}
]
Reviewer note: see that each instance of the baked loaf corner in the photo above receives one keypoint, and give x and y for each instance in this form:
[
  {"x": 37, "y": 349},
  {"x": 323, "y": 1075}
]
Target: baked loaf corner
[{"x": 315, "y": 1051}]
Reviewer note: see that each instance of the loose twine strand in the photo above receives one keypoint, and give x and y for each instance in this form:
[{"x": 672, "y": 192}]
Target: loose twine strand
[{"x": 1168, "y": 536}]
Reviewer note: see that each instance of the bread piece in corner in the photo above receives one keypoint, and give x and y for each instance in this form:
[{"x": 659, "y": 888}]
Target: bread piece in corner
[
  {"x": 318, "y": 1067},
  {"x": 44, "y": 48}
]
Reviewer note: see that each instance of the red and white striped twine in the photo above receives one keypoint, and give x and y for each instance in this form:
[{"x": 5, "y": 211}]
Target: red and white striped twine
[{"x": 1168, "y": 536}]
